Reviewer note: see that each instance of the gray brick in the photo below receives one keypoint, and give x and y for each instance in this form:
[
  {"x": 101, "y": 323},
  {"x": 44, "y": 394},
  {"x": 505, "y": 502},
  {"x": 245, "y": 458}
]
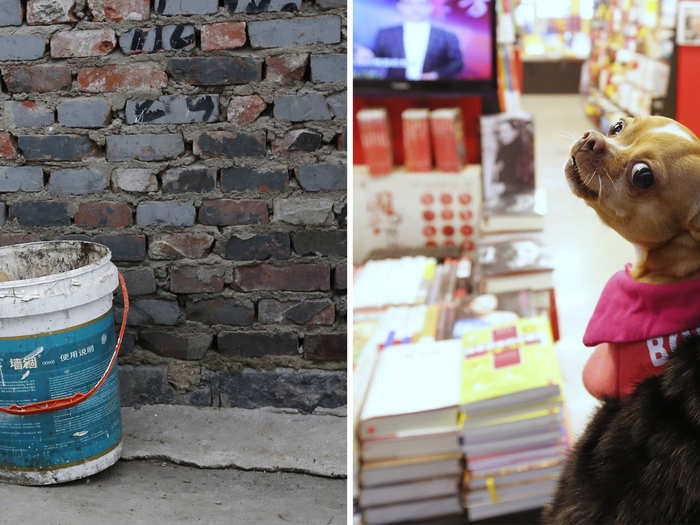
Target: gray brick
[
  {"x": 76, "y": 182},
  {"x": 154, "y": 311},
  {"x": 40, "y": 213},
  {"x": 2, "y": 213},
  {"x": 304, "y": 390},
  {"x": 139, "y": 281},
  {"x": 56, "y": 147},
  {"x": 329, "y": 68},
  {"x": 186, "y": 7},
  {"x": 173, "y": 110},
  {"x": 339, "y": 105},
  {"x": 166, "y": 213},
  {"x": 260, "y": 247},
  {"x": 21, "y": 178},
  {"x": 246, "y": 344},
  {"x": 10, "y": 13},
  {"x": 295, "y": 31},
  {"x": 28, "y": 114},
  {"x": 319, "y": 312},
  {"x": 261, "y": 6},
  {"x": 319, "y": 242},
  {"x": 303, "y": 210},
  {"x": 229, "y": 144},
  {"x": 222, "y": 311},
  {"x": 144, "y": 385},
  {"x": 216, "y": 71},
  {"x": 126, "y": 247},
  {"x": 84, "y": 113},
  {"x": 22, "y": 47},
  {"x": 298, "y": 108},
  {"x": 191, "y": 178},
  {"x": 137, "y": 180},
  {"x": 302, "y": 140},
  {"x": 242, "y": 179},
  {"x": 190, "y": 346},
  {"x": 167, "y": 38},
  {"x": 144, "y": 147},
  {"x": 330, "y": 4},
  {"x": 322, "y": 177}
]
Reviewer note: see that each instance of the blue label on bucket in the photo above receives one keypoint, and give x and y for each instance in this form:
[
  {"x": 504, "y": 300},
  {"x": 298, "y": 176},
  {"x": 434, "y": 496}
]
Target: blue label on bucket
[{"x": 53, "y": 366}]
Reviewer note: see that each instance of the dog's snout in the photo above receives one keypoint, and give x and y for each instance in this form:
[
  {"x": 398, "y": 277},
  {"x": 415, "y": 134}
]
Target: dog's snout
[{"x": 593, "y": 141}]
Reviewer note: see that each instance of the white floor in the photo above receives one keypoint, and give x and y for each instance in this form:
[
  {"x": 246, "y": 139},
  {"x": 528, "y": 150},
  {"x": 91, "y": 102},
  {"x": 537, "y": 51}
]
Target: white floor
[{"x": 586, "y": 252}]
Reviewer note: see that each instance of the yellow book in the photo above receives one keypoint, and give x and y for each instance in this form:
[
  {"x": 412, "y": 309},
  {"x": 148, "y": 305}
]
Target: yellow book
[{"x": 508, "y": 366}]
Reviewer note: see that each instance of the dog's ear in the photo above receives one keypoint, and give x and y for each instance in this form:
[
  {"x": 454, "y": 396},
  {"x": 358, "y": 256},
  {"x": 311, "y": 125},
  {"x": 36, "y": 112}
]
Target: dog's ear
[{"x": 693, "y": 223}]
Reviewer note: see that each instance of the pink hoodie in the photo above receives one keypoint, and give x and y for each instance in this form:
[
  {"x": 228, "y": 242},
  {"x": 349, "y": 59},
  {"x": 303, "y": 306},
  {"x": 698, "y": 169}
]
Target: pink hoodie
[{"x": 636, "y": 327}]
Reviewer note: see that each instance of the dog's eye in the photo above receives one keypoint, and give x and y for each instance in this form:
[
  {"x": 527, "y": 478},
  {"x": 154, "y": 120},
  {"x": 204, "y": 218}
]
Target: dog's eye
[
  {"x": 642, "y": 176},
  {"x": 616, "y": 127}
]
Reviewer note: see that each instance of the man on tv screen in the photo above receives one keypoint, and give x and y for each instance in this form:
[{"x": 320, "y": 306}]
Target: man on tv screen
[{"x": 425, "y": 51}]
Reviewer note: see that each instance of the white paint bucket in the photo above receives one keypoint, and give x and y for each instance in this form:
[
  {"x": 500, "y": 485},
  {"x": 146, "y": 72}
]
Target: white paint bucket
[{"x": 60, "y": 417}]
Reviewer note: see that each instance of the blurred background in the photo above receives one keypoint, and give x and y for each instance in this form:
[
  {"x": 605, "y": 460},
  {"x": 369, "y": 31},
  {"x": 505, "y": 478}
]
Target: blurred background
[{"x": 476, "y": 269}]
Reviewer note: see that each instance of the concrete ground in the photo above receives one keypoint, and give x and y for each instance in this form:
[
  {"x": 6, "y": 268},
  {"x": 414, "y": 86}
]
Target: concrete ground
[{"x": 183, "y": 465}]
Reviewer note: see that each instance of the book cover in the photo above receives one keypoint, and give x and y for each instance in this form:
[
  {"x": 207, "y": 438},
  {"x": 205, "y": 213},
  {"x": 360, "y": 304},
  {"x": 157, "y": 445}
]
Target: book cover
[
  {"x": 418, "y": 155},
  {"x": 509, "y": 365},
  {"x": 375, "y": 137},
  {"x": 508, "y": 164},
  {"x": 448, "y": 139},
  {"x": 414, "y": 387}
]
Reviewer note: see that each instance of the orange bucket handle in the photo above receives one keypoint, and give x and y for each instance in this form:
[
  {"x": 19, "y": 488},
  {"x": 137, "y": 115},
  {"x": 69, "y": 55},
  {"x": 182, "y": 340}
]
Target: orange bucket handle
[{"x": 66, "y": 402}]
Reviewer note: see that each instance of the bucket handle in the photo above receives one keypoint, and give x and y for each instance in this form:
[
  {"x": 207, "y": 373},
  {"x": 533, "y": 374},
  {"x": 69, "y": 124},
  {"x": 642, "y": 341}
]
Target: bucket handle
[{"x": 60, "y": 403}]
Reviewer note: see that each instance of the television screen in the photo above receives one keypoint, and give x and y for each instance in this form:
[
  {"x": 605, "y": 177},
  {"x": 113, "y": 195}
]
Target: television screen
[{"x": 423, "y": 41}]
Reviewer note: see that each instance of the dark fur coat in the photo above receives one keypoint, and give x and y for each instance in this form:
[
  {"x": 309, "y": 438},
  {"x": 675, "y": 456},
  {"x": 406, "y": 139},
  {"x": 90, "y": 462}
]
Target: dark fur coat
[{"x": 638, "y": 461}]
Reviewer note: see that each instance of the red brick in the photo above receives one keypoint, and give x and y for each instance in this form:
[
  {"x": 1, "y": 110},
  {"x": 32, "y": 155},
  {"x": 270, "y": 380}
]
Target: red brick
[
  {"x": 244, "y": 110},
  {"x": 225, "y": 35},
  {"x": 103, "y": 214},
  {"x": 118, "y": 10},
  {"x": 340, "y": 281},
  {"x": 121, "y": 78},
  {"x": 8, "y": 239},
  {"x": 50, "y": 11},
  {"x": 326, "y": 347},
  {"x": 197, "y": 279},
  {"x": 179, "y": 245},
  {"x": 38, "y": 79},
  {"x": 8, "y": 147},
  {"x": 286, "y": 68},
  {"x": 92, "y": 43},
  {"x": 226, "y": 212},
  {"x": 299, "y": 278}
]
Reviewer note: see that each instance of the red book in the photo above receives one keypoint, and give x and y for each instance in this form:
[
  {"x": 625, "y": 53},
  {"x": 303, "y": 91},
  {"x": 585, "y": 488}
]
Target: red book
[
  {"x": 448, "y": 139},
  {"x": 375, "y": 137},
  {"x": 418, "y": 155}
]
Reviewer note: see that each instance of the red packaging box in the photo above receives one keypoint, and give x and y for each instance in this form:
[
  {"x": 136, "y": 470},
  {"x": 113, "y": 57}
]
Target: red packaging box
[
  {"x": 448, "y": 139},
  {"x": 375, "y": 137},
  {"x": 418, "y": 155}
]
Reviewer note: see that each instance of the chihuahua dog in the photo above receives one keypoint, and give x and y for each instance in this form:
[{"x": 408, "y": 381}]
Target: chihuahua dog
[{"x": 638, "y": 459}]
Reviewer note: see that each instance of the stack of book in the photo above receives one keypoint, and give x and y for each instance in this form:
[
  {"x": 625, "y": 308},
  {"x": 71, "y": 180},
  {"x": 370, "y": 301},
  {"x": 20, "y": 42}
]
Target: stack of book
[
  {"x": 514, "y": 433},
  {"x": 410, "y": 462},
  {"x": 518, "y": 270}
]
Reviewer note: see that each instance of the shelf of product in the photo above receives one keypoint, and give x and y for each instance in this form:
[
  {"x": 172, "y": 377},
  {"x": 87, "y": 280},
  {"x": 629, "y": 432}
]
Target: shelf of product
[{"x": 631, "y": 67}]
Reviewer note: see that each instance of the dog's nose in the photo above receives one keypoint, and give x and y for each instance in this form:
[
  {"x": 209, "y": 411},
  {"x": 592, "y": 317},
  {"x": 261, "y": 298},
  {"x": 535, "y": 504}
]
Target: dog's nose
[{"x": 593, "y": 141}]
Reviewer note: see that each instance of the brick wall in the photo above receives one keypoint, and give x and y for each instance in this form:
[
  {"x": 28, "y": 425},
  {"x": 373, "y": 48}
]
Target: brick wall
[{"x": 203, "y": 141}]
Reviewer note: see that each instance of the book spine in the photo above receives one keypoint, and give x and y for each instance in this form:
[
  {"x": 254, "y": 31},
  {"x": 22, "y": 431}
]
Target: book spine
[
  {"x": 417, "y": 147},
  {"x": 376, "y": 143},
  {"x": 448, "y": 143}
]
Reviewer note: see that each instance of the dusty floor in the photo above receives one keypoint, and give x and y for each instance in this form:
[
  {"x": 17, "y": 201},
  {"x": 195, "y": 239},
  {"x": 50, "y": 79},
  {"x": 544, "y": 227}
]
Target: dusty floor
[
  {"x": 154, "y": 492},
  {"x": 293, "y": 469},
  {"x": 586, "y": 252}
]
